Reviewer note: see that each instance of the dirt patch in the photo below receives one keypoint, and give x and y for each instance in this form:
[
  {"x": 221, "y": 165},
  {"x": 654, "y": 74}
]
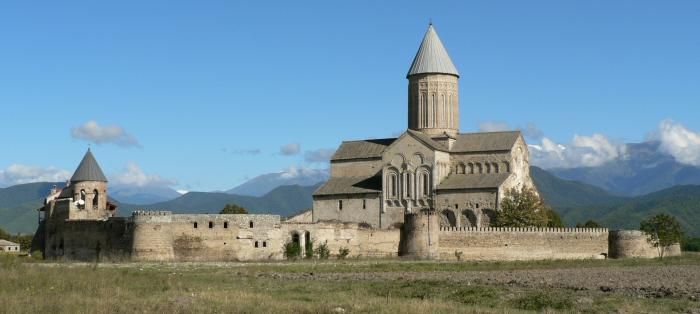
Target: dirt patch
[{"x": 647, "y": 281}]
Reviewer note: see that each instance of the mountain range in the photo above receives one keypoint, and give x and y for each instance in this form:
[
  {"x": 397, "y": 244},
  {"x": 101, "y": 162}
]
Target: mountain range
[
  {"x": 609, "y": 197},
  {"x": 644, "y": 169},
  {"x": 265, "y": 183}
]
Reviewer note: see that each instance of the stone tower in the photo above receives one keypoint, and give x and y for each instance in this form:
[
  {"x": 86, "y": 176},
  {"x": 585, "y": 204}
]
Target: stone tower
[
  {"x": 88, "y": 187},
  {"x": 433, "y": 97}
]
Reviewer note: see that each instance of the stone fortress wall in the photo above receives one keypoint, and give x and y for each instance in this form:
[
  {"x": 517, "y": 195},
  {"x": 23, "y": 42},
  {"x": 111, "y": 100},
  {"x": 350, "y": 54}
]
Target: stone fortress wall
[
  {"x": 522, "y": 243},
  {"x": 162, "y": 236}
]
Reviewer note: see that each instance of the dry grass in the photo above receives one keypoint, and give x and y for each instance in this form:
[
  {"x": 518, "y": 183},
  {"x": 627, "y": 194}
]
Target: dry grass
[{"x": 238, "y": 287}]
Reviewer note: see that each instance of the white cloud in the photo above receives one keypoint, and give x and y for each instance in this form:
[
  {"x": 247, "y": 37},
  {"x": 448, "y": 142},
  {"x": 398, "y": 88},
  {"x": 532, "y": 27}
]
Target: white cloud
[
  {"x": 19, "y": 174},
  {"x": 296, "y": 171},
  {"x": 93, "y": 132},
  {"x": 679, "y": 142},
  {"x": 134, "y": 176},
  {"x": 290, "y": 149},
  {"x": 319, "y": 155},
  {"x": 582, "y": 151}
]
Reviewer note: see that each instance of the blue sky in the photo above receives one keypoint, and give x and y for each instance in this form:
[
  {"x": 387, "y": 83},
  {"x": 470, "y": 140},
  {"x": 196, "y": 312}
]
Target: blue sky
[{"x": 202, "y": 95}]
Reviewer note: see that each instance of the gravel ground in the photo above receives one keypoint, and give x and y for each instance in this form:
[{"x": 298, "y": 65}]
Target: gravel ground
[{"x": 646, "y": 281}]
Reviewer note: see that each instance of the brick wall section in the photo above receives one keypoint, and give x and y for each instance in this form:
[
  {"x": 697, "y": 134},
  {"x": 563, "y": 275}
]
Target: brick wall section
[{"x": 522, "y": 243}]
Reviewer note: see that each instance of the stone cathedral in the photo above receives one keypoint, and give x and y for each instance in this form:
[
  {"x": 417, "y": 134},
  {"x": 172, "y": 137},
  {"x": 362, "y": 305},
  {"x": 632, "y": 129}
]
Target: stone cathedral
[
  {"x": 431, "y": 165},
  {"x": 430, "y": 193}
]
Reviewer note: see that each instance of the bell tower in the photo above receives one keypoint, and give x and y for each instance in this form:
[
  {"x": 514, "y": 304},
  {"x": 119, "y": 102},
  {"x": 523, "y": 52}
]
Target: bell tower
[
  {"x": 88, "y": 187},
  {"x": 433, "y": 94}
]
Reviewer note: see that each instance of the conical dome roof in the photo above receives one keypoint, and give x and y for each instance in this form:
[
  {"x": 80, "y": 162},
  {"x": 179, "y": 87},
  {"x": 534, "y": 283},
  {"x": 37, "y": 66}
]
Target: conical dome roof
[
  {"x": 88, "y": 170},
  {"x": 432, "y": 56}
]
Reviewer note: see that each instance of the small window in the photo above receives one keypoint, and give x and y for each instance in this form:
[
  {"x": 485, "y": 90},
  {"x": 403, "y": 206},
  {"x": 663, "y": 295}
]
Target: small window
[
  {"x": 256, "y": 243},
  {"x": 225, "y": 224},
  {"x": 264, "y": 243},
  {"x": 250, "y": 224},
  {"x": 195, "y": 225},
  {"x": 211, "y": 224},
  {"x": 340, "y": 204},
  {"x": 477, "y": 205},
  {"x": 456, "y": 206},
  {"x": 364, "y": 204}
]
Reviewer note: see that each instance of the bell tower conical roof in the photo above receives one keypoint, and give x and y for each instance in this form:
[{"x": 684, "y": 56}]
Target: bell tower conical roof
[
  {"x": 432, "y": 56},
  {"x": 88, "y": 170}
]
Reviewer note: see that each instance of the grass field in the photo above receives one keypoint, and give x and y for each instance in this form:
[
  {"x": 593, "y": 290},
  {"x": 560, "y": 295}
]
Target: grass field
[{"x": 385, "y": 286}]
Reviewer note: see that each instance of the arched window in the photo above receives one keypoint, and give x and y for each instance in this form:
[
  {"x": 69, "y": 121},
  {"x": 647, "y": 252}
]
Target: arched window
[
  {"x": 460, "y": 168},
  {"x": 471, "y": 168},
  {"x": 250, "y": 224},
  {"x": 95, "y": 199},
  {"x": 225, "y": 224},
  {"x": 479, "y": 169},
  {"x": 211, "y": 224},
  {"x": 393, "y": 185},
  {"x": 409, "y": 184},
  {"x": 264, "y": 243},
  {"x": 256, "y": 243},
  {"x": 426, "y": 184},
  {"x": 340, "y": 204},
  {"x": 488, "y": 167},
  {"x": 82, "y": 198},
  {"x": 364, "y": 204},
  {"x": 506, "y": 166},
  {"x": 195, "y": 225},
  {"x": 495, "y": 167}
]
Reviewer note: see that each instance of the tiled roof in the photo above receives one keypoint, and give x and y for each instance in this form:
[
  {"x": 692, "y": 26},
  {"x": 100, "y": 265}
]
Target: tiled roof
[
  {"x": 362, "y": 149},
  {"x": 350, "y": 185},
  {"x": 485, "y": 141}
]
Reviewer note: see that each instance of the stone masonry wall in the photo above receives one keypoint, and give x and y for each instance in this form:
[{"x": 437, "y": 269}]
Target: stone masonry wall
[{"x": 522, "y": 243}]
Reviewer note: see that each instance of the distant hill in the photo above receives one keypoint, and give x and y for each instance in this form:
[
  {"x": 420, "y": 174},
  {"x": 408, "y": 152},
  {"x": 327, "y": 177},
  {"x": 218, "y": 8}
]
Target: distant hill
[
  {"x": 18, "y": 205},
  {"x": 644, "y": 170},
  {"x": 283, "y": 200},
  {"x": 142, "y": 194},
  {"x": 575, "y": 201},
  {"x": 683, "y": 202},
  {"x": 265, "y": 183},
  {"x": 561, "y": 193}
]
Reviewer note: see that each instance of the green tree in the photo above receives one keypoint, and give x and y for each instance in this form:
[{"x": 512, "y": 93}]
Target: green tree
[
  {"x": 553, "y": 219},
  {"x": 522, "y": 208},
  {"x": 588, "y": 224},
  {"x": 663, "y": 230},
  {"x": 233, "y": 209}
]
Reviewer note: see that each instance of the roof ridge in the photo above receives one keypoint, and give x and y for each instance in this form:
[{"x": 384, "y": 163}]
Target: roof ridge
[{"x": 490, "y": 132}]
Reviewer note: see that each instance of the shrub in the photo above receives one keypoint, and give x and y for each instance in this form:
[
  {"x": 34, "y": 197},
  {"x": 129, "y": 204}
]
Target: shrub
[
  {"x": 309, "y": 250},
  {"x": 523, "y": 208},
  {"x": 292, "y": 250},
  {"x": 537, "y": 301},
  {"x": 458, "y": 255},
  {"x": 663, "y": 230},
  {"x": 343, "y": 252},
  {"x": 322, "y": 251},
  {"x": 691, "y": 244},
  {"x": 230, "y": 209},
  {"x": 37, "y": 255}
]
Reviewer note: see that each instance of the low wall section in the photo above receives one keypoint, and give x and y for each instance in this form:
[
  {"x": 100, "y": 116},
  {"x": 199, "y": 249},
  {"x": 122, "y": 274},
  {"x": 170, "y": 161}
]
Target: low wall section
[{"x": 522, "y": 243}]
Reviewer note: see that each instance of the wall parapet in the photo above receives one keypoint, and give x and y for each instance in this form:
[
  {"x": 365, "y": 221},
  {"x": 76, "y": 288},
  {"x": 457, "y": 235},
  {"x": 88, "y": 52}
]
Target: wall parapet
[
  {"x": 523, "y": 229},
  {"x": 151, "y": 213}
]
